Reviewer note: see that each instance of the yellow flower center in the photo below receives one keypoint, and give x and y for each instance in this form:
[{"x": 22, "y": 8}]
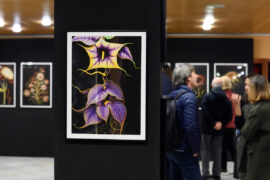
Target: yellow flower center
[
  {"x": 102, "y": 55},
  {"x": 106, "y": 102}
]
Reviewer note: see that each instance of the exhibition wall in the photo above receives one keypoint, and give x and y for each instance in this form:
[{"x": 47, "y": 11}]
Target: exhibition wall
[
  {"x": 26, "y": 131},
  {"x": 80, "y": 154},
  {"x": 212, "y": 50}
]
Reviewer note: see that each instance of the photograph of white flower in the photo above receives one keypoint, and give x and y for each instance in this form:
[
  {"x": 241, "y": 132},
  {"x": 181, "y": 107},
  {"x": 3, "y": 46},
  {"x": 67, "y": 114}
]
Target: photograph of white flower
[
  {"x": 36, "y": 85},
  {"x": 7, "y": 84}
]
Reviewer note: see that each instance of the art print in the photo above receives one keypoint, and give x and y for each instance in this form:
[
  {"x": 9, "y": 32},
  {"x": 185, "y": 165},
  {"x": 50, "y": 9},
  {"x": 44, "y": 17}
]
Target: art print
[
  {"x": 36, "y": 85},
  {"x": 202, "y": 69},
  {"x": 7, "y": 84},
  {"x": 106, "y": 85},
  {"x": 235, "y": 71}
]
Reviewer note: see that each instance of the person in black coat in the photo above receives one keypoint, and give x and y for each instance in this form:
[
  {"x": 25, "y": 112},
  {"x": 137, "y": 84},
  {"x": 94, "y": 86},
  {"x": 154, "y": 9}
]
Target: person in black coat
[{"x": 217, "y": 112}]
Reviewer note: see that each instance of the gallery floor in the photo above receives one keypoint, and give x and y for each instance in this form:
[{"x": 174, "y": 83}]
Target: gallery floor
[
  {"x": 26, "y": 168},
  {"x": 33, "y": 168}
]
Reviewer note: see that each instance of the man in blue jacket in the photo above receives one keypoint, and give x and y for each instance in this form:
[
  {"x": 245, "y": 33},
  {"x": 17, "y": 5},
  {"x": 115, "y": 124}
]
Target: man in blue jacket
[{"x": 185, "y": 157}]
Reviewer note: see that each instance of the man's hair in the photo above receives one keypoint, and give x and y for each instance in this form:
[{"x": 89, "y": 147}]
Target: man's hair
[
  {"x": 226, "y": 83},
  {"x": 216, "y": 82},
  {"x": 259, "y": 89},
  {"x": 181, "y": 74}
]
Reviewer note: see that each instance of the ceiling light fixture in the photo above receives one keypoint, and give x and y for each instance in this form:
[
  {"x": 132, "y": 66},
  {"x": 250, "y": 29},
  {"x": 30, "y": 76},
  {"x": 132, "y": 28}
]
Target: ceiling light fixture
[
  {"x": 2, "y": 22},
  {"x": 46, "y": 20},
  {"x": 208, "y": 22},
  {"x": 16, "y": 28}
]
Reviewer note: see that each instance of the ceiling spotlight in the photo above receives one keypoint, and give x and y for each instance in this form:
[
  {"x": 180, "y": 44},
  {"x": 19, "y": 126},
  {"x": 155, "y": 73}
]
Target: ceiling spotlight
[
  {"x": 46, "y": 21},
  {"x": 16, "y": 28},
  {"x": 206, "y": 26},
  {"x": 2, "y": 22},
  {"x": 212, "y": 6}
]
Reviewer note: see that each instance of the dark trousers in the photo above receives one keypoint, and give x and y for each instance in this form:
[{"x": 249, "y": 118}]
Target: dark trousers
[
  {"x": 211, "y": 145},
  {"x": 229, "y": 146},
  {"x": 185, "y": 162}
]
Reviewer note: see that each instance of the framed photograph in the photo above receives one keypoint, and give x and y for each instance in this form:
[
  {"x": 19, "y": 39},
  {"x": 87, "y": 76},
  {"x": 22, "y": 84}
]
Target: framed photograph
[
  {"x": 202, "y": 69},
  {"x": 106, "y": 85},
  {"x": 7, "y": 84},
  {"x": 36, "y": 85},
  {"x": 235, "y": 71}
]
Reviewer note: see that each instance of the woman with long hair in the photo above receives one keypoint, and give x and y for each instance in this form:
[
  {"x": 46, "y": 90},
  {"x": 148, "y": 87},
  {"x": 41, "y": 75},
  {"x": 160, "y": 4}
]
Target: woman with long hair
[{"x": 256, "y": 129}]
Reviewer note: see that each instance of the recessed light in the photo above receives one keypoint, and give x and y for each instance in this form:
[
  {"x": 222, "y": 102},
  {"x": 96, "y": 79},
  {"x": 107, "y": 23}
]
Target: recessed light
[
  {"x": 16, "y": 28},
  {"x": 212, "y": 6},
  {"x": 2, "y": 22},
  {"x": 46, "y": 20}
]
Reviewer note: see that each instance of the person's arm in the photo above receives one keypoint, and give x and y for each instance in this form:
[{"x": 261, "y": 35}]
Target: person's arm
[
  {"x": 191, "y": 124},
  {"x": 236, "y": 100},
  {"x": 206, "y": 110},
  {"x": 251, "y": 126}
]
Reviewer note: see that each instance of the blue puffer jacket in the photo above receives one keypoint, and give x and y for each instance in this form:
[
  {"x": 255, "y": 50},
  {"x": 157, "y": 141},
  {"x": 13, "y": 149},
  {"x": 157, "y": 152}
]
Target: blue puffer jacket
[{"x": 187, "y": 113}]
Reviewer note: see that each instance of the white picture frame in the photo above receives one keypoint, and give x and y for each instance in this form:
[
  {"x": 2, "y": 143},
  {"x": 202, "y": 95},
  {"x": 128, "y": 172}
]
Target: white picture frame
[
  {"x": 137, "y": 41},
  {"x": 8, "y": 80},
  {"x": 42, "y": 96}
]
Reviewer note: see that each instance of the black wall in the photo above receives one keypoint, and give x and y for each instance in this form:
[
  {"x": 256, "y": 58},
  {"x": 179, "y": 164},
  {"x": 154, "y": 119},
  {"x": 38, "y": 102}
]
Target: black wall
[
  {"x": 26, "y": 131},
  {"x": 210, "y": 50},
  {"x": 103, "y": 160}
]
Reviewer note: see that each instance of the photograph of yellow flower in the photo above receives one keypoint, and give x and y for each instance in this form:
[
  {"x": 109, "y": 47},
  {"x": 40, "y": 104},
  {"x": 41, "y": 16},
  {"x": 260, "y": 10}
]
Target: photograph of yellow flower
[
  {"x": 7, "y": 84},
  {"x": 36, "y": 85}
]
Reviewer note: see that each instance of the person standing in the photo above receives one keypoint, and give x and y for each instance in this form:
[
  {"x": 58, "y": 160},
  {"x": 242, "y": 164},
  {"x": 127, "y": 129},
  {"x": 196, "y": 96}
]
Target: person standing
[
  {"x": 217, "y": 112},
  {"x": 185, "y": 157},
  {"x": 256, "y": 130},
  {"x": 229, "y": 133}
]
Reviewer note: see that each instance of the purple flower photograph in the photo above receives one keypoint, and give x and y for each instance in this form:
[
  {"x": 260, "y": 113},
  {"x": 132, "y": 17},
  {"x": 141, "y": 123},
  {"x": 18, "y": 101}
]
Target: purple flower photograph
[{"x": 106, "y": 82}]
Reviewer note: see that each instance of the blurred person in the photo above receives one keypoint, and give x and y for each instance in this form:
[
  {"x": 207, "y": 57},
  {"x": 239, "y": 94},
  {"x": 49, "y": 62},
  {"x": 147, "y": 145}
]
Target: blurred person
[
  {"x": 256, "y": 130},
  {"x": 242, "y": 109},
  {"x": 185, "y": 157},
  {"x": 217, "y": 112},
  {"x": 166, "y": 79},
  {"x": 229, "y": 133}
]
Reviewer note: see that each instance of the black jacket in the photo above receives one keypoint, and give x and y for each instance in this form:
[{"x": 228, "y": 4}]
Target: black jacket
[{"x": 215, "y": 107}]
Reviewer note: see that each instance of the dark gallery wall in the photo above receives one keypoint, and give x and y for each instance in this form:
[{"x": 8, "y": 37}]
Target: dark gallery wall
[
  {"x": 214, "y": 50},
  {"x": 105, "y": 159},
  {"x": 26, "y": 131}
]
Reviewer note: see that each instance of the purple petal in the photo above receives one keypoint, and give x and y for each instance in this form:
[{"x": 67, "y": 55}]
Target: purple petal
[
  {"x": 114, "y": 90},
  {"x": 88, "y": 40},
  {"x": 90, "y": 116},
  {"x": 125, "y": 53},
  {"x": 118, "y": 111},
  {"x": 103, "y": 112},
  {"x": 96, "y": 94}
]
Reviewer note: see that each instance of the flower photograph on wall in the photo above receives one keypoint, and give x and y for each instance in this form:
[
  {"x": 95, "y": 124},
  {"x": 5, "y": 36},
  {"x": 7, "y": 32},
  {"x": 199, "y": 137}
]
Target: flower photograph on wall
[
  {"x": 202, "y": 70},
  {"x": 36, "y": 85},
  {"x": 106, "y": 79},
  {"x": 7, "y": 84},
  {"x": 235, "y": 71}
]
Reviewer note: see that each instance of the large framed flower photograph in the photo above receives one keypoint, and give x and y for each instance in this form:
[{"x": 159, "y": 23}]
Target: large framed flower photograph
[
  {"x": 235, "y": 71},
  {"x": 36, "y": 85},
  {"x": 106, "y": 85},
  {"x": 7, "y": 84}
]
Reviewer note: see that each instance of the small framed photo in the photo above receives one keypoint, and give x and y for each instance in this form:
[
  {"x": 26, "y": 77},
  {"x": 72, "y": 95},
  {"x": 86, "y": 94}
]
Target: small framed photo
[
  {"x": 106, "y": 85},
  {"x": 7, "y": 84},
  {"x": 202, "y": 69},
  {"x": 235, "y": 71},
  {"x": 36, "y": 85}
]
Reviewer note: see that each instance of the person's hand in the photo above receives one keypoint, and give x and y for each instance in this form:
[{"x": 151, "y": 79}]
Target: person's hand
[
  {"x": 195, "y": 155},
  {"x": 236, "y": 99},
  {"x": 218, "y": 126}
]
